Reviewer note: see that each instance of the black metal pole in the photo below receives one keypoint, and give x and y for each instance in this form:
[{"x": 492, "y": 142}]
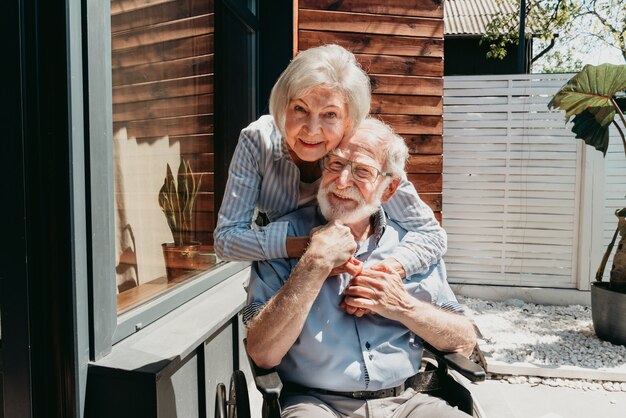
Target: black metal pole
[{"x": 521, "y": 51}]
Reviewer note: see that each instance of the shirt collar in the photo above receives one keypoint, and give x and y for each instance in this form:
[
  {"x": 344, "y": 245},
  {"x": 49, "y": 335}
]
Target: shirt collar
[{"x": 280, "y": 145}]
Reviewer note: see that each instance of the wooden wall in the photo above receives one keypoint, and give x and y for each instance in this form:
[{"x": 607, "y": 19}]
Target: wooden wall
[
  {"x": 162, "y": 69},
  {"x": 400, "y": 44}
]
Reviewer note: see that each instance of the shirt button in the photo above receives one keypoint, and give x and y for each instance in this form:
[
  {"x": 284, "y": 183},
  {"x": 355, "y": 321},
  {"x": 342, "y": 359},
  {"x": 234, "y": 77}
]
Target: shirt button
[
  {"x": 367, "y": 345},
  {"x": 371, "y": 356}
]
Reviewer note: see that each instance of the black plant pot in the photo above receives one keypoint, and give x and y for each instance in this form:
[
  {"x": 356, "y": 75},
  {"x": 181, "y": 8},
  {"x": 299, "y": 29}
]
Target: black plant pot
[{"x": 608, "y": 311}]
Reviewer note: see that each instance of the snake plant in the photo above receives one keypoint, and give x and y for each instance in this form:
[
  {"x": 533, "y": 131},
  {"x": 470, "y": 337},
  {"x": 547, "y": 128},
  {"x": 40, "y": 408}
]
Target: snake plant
[{"x": 178, "y": 202}]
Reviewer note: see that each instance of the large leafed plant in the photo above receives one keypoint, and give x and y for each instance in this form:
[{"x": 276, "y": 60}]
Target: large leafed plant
[{"x": 594, "y": 97}]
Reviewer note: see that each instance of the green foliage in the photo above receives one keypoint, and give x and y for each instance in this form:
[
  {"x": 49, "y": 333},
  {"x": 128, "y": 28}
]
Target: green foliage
[
  {"x": 577, "y": 23},
  {"x": 589, "y": 97},
  {"x": 178, "y": 203}
]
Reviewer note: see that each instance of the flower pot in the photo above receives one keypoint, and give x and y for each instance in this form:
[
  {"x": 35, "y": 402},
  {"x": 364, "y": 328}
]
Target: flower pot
[
  {"x": 608, "y": 311},
  {"x": 180, "y": 260}
]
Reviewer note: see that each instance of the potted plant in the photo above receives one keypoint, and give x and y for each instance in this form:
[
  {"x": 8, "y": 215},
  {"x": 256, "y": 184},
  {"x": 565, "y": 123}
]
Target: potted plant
[
  {"x": 178, "y": 203},
  {"x": 594, "y": 97}
]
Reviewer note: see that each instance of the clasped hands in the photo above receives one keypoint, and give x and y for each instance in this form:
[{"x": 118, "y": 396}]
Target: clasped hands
[{"x": 378, "y": 289}]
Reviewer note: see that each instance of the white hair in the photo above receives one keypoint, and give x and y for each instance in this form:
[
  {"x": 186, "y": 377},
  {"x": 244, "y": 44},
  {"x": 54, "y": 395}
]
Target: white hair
[
  {"x": 328, "y": 66},
  {"x": 395, "y": 149}
]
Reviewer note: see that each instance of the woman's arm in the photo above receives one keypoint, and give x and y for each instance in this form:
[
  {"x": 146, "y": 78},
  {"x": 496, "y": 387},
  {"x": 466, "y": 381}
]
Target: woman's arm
[
  {"x": 234, "y": 240},
  {"x": 425, "y": 241}
]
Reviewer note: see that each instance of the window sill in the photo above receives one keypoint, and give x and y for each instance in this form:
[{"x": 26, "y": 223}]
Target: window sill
[{"x": 176, "y": 335}]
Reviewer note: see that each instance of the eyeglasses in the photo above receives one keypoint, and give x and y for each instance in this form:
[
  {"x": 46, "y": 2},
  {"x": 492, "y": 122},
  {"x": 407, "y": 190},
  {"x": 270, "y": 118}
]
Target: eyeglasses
[{"x": 360, "y": 172}]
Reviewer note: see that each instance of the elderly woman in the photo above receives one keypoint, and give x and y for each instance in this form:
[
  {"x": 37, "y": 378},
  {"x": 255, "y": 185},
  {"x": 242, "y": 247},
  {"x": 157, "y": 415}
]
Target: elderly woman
[{"x": 322, "y": 96}]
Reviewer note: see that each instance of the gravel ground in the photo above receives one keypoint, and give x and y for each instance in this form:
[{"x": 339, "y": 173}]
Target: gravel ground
[{"x": 543, "y": 335}]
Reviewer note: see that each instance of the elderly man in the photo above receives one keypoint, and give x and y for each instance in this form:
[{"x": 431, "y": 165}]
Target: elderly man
[{"x": 350, "y": 344}]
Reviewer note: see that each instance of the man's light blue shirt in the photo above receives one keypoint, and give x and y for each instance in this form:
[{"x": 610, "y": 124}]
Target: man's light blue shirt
[{"x": 337, "y": 351}]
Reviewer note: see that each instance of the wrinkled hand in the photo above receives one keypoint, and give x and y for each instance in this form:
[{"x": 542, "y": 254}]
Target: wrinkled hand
[
  {"x": 379, "y": 290},
  {"x": 353, "y": 267},
  {"x": 332, "y": 242},
  {"x": 390, "y": 264}
]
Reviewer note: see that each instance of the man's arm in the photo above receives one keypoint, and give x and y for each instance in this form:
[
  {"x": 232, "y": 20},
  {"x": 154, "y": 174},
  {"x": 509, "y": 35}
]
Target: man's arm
[
  {"x": 384, "y": 293},
  {"x": 275, "y": 329}
]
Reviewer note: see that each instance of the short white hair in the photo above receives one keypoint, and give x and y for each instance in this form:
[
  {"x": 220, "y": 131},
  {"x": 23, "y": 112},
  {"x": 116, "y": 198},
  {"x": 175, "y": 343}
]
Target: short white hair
[
  {"x": 394, "y": 148},
  {"x": 328, "y": 66}
]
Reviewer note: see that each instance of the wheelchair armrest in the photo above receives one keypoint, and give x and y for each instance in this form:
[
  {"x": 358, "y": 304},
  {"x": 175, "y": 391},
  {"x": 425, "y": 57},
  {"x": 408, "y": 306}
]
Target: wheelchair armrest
[
  {"x": 467, "y": 368},
  {"x": 267, "y": 381}
]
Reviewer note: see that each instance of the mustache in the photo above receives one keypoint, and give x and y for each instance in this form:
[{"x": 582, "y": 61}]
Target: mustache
[{"x": 348, "y": 193}]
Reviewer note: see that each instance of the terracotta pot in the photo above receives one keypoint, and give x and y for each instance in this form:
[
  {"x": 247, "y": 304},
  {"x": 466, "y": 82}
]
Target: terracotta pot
[
  {"x": 180, "y": 260},
  {"x": 608, "y": 311}
]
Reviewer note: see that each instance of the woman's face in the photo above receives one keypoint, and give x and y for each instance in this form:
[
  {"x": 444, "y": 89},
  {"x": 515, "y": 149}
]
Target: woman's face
[{"x": 315, "y": 124}]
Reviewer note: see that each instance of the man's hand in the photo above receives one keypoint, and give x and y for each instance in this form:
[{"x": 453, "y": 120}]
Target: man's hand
[
  {"x": 379, "y": 290},
  {"x": 333, "y": 243}
]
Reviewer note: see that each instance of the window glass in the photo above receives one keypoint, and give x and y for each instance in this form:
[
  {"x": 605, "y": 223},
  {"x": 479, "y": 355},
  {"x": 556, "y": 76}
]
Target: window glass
[{"x": 162, "y": 76}]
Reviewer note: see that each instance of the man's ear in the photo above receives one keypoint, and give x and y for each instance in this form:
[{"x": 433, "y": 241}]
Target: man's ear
[{"x": 390, "y": 190}]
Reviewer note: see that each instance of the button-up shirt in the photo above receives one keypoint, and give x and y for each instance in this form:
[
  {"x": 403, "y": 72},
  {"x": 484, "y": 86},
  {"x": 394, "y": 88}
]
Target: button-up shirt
[
  {"x": 263, "y": 178},
  {"x": 338, "y": 351}
]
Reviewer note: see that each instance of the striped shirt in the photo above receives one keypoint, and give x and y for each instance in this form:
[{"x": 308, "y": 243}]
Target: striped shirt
[{"x": 263, "y": 178}]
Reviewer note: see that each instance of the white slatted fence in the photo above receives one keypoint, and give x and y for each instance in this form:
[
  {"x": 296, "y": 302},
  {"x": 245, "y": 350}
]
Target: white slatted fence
[{"x": 511, "y": 182}]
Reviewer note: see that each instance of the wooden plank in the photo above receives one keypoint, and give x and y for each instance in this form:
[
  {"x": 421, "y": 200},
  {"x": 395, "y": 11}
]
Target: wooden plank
[
  {"x": 389, "y": 64},
  {"x": 164, "y": 70},
  {"x": 373, "y": 44},
  {"x": 427, "y": 8},
  {"x": 201, "y": 162},
  {"x": 406, "y": 104},
  {"x": 164, "y": 12},
  {"x": 163, "y": 89},
  {"x": 162, "y": 108},
  {"x": 424, "y": 164},
  {"x": 452, "y": 199},
  {"x": 178, "y": 29},
  {"x": 424, "y": 144},
  {"x": 122, "y": 6},
  {"x": 205, "y": 202},
  {"x": 419, "y": 86},
  {"x": 512, "y": 178},
  {"x": 560, "y": 187},
  {"x": 190, "y": 144},
  {"x": 433, "y": 200},
  {"x": 426, "y": 183},
  {"x": 369, "y": 23},
  {"x": 165, "y": 51},
  {"x": 412, "y": 124},
  {"x": 168, "y": 126},
  {"x": 517, "y": 248}
]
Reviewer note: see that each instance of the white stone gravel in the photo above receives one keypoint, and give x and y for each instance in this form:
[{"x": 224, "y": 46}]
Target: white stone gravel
[{"x": 545, "y": 336}]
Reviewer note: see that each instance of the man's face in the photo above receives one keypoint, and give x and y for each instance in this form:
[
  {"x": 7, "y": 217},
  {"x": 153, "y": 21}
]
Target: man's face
[{"x": 342, "y": 196}]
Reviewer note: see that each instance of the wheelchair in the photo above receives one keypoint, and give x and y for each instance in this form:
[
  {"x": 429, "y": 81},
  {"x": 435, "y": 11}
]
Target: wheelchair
[{"x": 442, "y": 370}]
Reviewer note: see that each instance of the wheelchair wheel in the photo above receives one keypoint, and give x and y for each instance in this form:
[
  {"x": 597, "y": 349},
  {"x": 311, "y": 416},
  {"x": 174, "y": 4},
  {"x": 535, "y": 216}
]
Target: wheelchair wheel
[{"x": 238, "y": 402}]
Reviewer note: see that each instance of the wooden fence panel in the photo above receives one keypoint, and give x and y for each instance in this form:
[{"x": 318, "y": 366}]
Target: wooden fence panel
[
  {"x": 512, "y": 180},
  {"x": 400, "y": 45}
]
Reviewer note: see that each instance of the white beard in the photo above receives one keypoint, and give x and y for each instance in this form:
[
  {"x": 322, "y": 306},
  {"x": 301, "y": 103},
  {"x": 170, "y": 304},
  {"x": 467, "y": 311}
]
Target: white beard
[{"x": 339, "y": 212}]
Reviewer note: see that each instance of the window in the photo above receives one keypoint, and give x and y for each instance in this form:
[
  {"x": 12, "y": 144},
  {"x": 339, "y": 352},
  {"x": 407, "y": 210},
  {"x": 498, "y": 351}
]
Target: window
[
  {"x": 163, "y": 122},
  {"x": 167, "y": 81}
]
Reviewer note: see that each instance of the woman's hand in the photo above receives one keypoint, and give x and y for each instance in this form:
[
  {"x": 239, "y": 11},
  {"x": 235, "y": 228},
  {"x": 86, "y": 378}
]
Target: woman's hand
[{"x": 353, "y": 267}]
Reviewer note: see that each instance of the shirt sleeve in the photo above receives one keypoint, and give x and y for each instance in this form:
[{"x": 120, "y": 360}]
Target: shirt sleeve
[
  {"x": 234, "y": 237},
  {"x": 425, "y": 241},
  {"x": 266, "y": 279}
]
